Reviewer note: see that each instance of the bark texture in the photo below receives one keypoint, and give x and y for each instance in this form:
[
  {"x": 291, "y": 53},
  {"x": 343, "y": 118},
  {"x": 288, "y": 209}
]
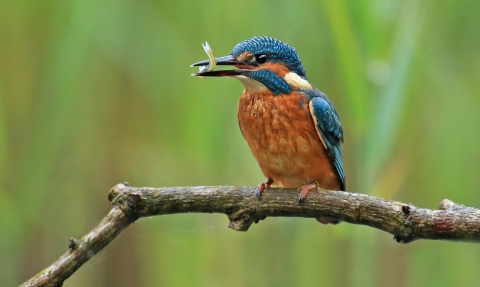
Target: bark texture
[{"x": 405, "y": 222}]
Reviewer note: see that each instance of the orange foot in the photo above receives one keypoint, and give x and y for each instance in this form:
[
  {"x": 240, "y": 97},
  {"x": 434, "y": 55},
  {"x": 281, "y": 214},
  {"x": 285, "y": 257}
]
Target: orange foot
[
  {"x": 262, "y": 186},
  {"x": 304, "y": 190}
]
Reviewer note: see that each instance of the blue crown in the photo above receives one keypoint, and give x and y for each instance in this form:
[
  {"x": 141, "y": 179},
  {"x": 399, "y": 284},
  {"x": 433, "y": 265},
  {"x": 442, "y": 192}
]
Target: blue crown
[{"x": 275, "y": 50}]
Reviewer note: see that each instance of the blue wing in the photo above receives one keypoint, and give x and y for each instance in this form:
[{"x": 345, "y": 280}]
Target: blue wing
[{"x": 329, "y": 129}]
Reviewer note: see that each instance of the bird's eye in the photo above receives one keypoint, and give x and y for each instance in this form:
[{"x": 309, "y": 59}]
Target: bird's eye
[{"x": 261, "y": 58}]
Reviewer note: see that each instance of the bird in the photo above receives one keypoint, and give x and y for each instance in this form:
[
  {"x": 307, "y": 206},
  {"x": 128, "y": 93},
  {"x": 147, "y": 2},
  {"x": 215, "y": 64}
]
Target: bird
[{"x": 292, "y": 128}]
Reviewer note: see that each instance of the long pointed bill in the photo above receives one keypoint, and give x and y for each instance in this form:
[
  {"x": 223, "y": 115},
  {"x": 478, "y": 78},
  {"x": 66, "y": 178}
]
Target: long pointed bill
[
  {"x": 222, "y": 61},
  {"x": 220, "y": 73},
  {"x": 225, "y": 61}
]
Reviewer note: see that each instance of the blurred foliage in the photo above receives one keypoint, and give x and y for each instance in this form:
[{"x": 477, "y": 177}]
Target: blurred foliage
[{"x": 93, "y": 93}]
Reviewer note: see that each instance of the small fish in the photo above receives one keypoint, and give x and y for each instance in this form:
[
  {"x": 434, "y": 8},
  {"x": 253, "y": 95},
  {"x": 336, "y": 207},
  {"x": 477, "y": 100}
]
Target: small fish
[{"x": 212, "y": 63}]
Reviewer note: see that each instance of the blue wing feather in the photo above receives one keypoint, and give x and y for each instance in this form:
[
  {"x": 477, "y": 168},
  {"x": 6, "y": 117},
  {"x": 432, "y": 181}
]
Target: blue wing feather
[{"x": 329, "y": 126}]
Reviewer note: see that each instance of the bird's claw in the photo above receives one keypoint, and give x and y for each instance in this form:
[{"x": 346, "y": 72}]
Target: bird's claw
[
  {"x": 301, "y": 198},
  {"x": 304, "y": 190},
  {"x": 262, "y": 187}
]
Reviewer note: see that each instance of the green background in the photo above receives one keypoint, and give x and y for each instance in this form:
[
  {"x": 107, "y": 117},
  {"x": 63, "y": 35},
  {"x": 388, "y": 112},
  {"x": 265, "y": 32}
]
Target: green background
[{"x": 97, "y": 92}]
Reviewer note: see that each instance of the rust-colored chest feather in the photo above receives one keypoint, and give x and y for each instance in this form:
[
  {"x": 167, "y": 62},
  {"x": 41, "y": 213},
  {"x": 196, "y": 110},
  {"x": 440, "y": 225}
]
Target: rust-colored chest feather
[{"x": 282, "y": 136}]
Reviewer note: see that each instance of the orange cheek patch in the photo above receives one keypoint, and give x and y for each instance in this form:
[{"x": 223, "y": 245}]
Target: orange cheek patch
[
  {"x": 244, "y": 56},
  {"x": 278, "y": 69}
]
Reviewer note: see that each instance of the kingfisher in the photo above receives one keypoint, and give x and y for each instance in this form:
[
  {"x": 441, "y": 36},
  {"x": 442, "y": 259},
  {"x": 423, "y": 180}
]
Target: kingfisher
[{"x": 292, "y": 128}]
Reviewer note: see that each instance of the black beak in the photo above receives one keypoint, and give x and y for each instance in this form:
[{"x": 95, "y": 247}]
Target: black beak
[
  {"x": 225, "y": 61},
  {"x": 222, "y": 61}
]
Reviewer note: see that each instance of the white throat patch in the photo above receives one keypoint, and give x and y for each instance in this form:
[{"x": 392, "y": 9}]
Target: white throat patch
[{"x": 250, "y": 84}]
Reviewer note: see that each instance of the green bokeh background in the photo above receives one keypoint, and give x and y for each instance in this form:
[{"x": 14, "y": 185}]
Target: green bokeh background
[{"x": 97, "y": 92}]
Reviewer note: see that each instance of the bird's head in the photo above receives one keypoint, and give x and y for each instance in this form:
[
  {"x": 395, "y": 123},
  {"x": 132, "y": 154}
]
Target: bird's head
[{"x": 263, "y": 63}]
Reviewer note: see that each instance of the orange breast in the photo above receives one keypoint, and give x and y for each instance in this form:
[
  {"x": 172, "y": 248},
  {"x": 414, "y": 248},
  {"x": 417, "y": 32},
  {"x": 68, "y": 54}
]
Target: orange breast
[{"x": 282, "y": 137}]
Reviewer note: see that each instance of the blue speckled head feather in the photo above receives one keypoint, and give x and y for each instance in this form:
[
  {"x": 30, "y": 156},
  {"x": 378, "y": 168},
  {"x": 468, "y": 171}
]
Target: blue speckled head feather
[{"x": 276, "y": 50}]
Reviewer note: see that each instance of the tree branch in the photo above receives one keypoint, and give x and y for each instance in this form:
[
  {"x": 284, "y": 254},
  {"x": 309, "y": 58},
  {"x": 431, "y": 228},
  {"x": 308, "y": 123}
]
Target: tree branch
[{"x": 404, "y": 221}]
